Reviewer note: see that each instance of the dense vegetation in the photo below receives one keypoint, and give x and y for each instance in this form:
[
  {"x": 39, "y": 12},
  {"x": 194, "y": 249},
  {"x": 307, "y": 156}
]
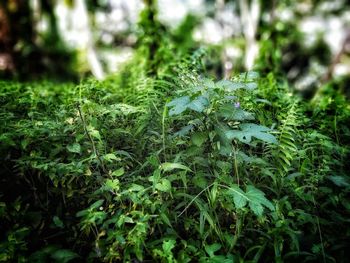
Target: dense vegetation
[{"x": 164, "y": 162}]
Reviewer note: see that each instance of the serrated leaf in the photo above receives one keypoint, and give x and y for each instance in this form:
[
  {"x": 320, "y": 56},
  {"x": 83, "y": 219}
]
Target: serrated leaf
[
  {"x": 198, "y": 104},
  {"x": 209, "y": 83},
  {"x": 111, "y": 185},
  {"x": 239, "y": 197},
  {"x": 251, "y": 85},
  {"x": 256, "y": 199},
  {"x": 168, "y": 246},
  {"x": 229, "y": 112},
  {"x": 74, "y": 148},
  {"x": 230, "y": 85},
  {"x": 257, "y": 208},
  {"x": 178, "y": 105},
  {"x": 184, "y": 131},
  {"x": 253, "y": 197},
  {"x": 249, "y": 130}
]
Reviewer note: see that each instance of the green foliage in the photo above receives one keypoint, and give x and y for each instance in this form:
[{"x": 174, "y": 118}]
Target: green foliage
[
  {"x": 287, "y": 148},
  {"x": 172, "y": 168}
]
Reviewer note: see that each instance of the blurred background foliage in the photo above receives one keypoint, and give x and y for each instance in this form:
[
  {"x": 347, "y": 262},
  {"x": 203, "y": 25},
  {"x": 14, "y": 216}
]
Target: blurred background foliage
[{"x": 305, "y": 41}]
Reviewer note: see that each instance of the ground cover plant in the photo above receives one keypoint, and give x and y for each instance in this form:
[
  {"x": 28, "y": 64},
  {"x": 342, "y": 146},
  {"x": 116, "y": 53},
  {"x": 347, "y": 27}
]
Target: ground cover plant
[
  {"x": 221, "y": 171},
  {"x": 170, "y": 159}
]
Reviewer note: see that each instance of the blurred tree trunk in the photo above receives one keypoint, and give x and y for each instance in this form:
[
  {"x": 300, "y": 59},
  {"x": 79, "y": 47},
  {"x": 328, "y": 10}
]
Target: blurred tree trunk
[
  {"x": 23, "y": 52},
  {"x": 6, "y": 54},
  {"x": 345, "y": 48},
  {"x": 250, "y": 15},
  {"x": 92, "y": 58},
  {"x": 16, "y": 32}
]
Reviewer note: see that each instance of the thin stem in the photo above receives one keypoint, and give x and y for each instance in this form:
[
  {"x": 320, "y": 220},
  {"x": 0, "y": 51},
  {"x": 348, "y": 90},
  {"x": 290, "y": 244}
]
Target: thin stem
[
  {"x": 163, "y": 130},
  {"x": 236, "y": 167},
  {"x": 319, "y": 230},
  {"x": 190, "y": 203},
  {"x": 91, "y": 140}
]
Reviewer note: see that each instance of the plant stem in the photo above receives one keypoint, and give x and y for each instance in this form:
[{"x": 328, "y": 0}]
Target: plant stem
[
  {"x": 91, "y": 140},
  {"x": 163, "y": 130},
  {"x": 190, "y": 203},
  {"x": 235, "y": 165}
]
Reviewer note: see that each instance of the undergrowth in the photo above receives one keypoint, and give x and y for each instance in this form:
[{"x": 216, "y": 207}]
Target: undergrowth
[{"x": 173, "y": 167}]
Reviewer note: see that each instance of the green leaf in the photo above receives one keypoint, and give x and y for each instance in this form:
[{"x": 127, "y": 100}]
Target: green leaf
[
  {"x": 200, "y": 181},
  {"x": 251, "y": 85},
  {"x": 199, "y": 104},
  {"x": 64, "y": 255},
  {"x": 249, "y": 130},
  {"x": 136, "y": 188},
  {"x": 209, "y": 83},
  {"x": 111, "y": 185},
  {"x": 155, "y": 177},
  {"x": 97, "y": 204},
  {"x": 124, "y": 219},
  {"x": 165, "y": 219},
  {"x": 253, "y": 197},
  {"x": 109, "y": 157},
  {"x": 211, "y": 249},
  {"x": 257, "y": 208},
  {"x": 239, "y": 197},
  {"x": 94, "y": 133},
  {"x": 164, "y": 185},
  {"x": 257, "y": 199},
  {"x": 199, "y": 138},
  {"x": 168, "y": 246},
  {"x": 184, "y": 131},
  {"x": 166, "y": 167},
  {"x": 178, "y": 105},
  {"x": 250, "y": 75},
  {"x": 57, "y": 221},
  {"x": 74, "y": 148},
  {"x": 230, "y": 85},
  {"x": 118, "y": 172},
  {"x": 339, "y": 180},
  {"x": 229, "y": 112}
]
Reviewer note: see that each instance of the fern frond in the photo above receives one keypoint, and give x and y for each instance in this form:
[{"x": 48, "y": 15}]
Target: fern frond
[{"x": 287, "y": 134}]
